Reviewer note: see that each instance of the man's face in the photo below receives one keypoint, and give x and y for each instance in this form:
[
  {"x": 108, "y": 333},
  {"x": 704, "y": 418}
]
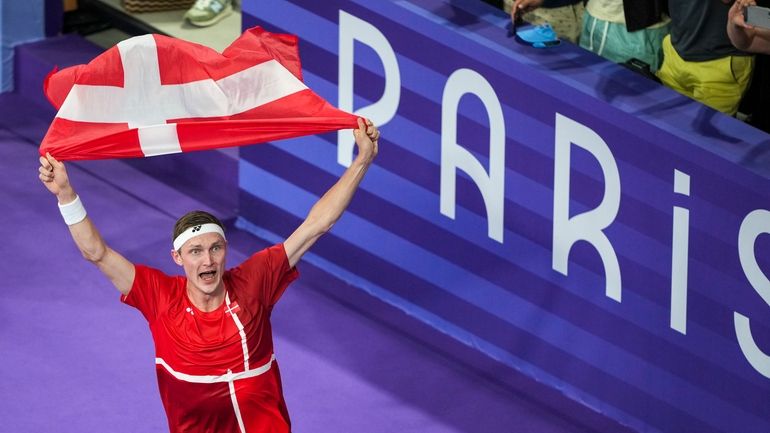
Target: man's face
[{"x": 203, "y": 260}]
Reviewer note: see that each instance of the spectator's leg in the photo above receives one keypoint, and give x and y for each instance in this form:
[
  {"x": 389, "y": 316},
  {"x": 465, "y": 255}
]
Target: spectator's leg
[
  {"x": 653, "y": 41},
  {"x": 722, "y": 82},
  {"x": 675, "y": 71},
  {"x": 566, "y": 20},
  {"x": 592, "y": 33},
  {"x": 507, "y": 5}
]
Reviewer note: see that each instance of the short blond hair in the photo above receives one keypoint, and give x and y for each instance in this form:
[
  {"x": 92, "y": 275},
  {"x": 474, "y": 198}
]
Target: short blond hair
[{"x": 194, "y": 218}]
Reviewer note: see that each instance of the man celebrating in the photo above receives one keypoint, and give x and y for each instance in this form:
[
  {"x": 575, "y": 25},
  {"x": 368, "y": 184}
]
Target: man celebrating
[{"x": 213, "y": 341}]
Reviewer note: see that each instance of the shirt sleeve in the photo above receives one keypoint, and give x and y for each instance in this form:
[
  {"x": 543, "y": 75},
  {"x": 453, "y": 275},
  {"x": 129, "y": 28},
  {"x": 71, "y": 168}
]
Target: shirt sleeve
[
  {"x": 149, "y": 293},
  {"x": 266, "y": 274}
]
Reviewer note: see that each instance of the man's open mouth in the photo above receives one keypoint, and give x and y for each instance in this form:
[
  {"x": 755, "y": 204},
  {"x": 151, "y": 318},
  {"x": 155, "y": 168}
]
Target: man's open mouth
[{"x": 207, "y": 276}]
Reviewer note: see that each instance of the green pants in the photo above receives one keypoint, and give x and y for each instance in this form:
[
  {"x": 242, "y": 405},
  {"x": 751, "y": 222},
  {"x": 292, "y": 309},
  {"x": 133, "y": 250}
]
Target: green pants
[{"x": 613, "y": 42}]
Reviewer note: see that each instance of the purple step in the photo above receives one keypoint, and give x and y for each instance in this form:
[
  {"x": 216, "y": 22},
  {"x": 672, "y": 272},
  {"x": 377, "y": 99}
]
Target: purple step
[
  {"x": 33, "y": 61},
  {"x": 24, "y": 118}
]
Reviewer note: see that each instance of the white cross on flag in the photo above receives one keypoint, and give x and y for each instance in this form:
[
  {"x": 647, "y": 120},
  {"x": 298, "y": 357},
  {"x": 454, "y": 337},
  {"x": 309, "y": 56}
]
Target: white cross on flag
[{"x": 155, "y": 95}]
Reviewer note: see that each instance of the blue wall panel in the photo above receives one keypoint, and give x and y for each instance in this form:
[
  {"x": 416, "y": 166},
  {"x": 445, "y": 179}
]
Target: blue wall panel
[
  {"x": 642, "y": 319},
  {"x": 20, "y": 21}
]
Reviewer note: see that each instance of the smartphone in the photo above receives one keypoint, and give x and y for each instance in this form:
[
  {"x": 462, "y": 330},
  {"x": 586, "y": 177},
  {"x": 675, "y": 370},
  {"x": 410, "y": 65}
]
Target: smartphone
[{"x": 757, "y": 16}]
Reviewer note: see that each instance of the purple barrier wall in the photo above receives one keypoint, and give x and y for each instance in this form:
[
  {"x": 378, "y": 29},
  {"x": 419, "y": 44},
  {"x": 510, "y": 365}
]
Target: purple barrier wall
[{"x": 558, "y": 213}]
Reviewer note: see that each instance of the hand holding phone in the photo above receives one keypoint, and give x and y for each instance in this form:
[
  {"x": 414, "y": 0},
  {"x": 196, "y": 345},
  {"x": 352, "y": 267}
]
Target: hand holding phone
[{"x": 757, "y": 16}]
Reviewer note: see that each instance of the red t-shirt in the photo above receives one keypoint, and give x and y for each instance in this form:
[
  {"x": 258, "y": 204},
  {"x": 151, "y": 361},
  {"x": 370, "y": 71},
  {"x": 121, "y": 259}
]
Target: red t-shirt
[{"x": 216, "y": 370}]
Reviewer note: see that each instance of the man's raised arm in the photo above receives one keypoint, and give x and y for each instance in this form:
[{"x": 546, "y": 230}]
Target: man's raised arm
[
  {"x": 120, "y": 271},
  {"x": 333, "y": 203}
]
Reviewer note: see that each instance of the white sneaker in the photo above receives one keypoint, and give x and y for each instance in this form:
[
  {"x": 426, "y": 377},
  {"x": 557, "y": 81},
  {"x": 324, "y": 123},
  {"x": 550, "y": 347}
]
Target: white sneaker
[{"x": 205, "y": 13}]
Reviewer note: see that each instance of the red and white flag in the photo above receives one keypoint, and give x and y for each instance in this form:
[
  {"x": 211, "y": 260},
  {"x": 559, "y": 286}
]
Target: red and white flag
[{"x": 155, "y": 95}]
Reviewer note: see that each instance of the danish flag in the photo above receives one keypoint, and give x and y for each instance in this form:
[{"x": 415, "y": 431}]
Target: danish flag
[{"x": 155, "y": 95}]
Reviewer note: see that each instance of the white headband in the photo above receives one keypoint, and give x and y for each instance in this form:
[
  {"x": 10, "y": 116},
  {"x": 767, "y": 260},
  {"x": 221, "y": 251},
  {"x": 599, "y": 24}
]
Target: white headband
[{"x": 197, "y": 231}]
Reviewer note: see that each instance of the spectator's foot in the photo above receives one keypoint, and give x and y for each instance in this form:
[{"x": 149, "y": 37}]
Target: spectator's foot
[{"x": 205, "y": 13}]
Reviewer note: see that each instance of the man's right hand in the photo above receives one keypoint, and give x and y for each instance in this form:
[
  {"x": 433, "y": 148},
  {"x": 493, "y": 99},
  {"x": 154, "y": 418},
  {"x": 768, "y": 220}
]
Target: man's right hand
[{"x": 53, "y": 174}]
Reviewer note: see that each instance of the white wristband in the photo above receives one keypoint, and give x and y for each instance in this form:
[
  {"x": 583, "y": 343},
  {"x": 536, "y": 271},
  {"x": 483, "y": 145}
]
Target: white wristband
[{"x": 73, "y": 212}]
